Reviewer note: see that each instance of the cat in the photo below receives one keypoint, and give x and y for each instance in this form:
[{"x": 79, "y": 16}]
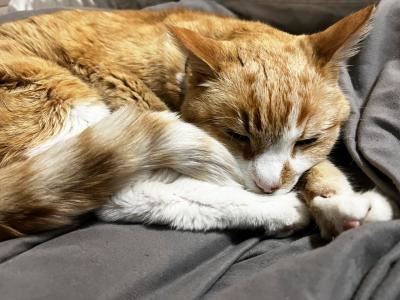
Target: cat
[{"x": 87, "y": 123}]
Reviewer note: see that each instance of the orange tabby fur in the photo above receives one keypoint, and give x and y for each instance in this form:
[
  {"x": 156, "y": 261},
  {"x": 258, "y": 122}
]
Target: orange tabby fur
[{"x": 241, "y": 76}]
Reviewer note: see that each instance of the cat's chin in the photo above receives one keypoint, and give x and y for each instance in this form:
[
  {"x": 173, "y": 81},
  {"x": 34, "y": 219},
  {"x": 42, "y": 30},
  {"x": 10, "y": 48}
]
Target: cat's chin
[
  {"x": 251, "y": 186},
  {"x": 257, "y": 190},
  {"x": 282, "y": 191}
]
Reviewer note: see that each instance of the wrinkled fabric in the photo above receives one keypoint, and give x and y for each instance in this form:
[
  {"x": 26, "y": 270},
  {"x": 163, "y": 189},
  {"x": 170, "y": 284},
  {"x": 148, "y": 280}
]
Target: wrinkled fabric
[{"x": 125, "y": 261}]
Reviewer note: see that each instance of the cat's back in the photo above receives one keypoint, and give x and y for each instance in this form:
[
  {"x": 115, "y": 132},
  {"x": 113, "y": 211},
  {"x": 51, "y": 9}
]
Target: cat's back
[
  {"x": 78, "y": 24},
  {"x": 78, "y": 28},
  {"x": 93, "y": 35}
]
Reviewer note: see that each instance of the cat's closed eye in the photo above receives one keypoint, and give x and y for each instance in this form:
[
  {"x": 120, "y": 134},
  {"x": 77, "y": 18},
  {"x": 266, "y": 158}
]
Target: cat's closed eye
[
  {"x": 306, "y": 142},
  {"x": 237, "y": 136}
]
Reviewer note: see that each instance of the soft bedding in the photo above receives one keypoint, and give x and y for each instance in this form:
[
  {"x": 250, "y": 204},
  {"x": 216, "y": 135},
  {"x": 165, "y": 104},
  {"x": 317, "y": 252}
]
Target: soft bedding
[{"x": 125, "y": 261}]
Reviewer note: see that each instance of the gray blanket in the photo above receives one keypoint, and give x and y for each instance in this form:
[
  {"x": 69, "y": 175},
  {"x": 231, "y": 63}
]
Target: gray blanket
[{"x": 111, "y": 261}]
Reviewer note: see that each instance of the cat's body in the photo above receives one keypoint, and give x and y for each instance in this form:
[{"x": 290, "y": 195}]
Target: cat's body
[{"x": 251, "y": 87}]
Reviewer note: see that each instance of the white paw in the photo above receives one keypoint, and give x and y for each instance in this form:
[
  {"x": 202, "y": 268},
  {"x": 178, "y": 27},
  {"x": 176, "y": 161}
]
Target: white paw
[
  {"x": 342, "y": 212},
  {"x": 295, "y": 217}
]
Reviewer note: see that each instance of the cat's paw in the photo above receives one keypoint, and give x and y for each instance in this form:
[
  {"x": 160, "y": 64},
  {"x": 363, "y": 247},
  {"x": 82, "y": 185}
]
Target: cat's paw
[
  {"x": 342, "y": 212},
  {"x": 296, "y": 217}
]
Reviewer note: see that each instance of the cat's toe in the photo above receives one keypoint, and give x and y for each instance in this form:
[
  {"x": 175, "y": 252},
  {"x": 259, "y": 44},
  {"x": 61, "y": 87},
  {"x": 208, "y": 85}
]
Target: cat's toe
[
  {"x": 381, "y": 208},
  {"x": 350, "y": 224},
  {"x": 339, "y": 213},
  {"x": 297, "y": 218}
]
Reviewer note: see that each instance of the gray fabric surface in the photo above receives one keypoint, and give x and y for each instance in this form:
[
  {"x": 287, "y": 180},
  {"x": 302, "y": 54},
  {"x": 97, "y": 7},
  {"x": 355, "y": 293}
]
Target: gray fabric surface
[
  {"x": 111, "y": 261},
  {"x": 301, "y": 16},
  {"x": 373, "y": 133}
]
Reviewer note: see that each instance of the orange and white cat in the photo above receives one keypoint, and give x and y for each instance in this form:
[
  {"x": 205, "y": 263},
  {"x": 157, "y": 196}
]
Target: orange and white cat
[{"x": 85, "y": 123}]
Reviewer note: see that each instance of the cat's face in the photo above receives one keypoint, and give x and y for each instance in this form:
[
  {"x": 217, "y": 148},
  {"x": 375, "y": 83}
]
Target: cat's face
[
  {"x": 272, "y": 99},
  {"x": 278, "y": 119}
]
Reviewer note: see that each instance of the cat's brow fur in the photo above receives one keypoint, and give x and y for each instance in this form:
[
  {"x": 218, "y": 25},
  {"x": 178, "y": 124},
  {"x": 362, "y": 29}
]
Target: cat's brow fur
[{"x": 63, "y": 72}]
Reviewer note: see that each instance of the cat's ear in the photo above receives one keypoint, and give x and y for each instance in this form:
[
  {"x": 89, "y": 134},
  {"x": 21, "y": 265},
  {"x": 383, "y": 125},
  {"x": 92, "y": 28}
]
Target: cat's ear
[
  {"x": 204, "y": 54},
  {"x": 340, "y": 41}
]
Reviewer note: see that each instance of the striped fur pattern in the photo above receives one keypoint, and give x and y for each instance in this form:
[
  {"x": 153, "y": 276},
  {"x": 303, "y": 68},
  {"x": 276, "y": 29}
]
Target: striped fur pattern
[
  {"x": 82, "y": 173},
  {"x": 85, "y": 122}
]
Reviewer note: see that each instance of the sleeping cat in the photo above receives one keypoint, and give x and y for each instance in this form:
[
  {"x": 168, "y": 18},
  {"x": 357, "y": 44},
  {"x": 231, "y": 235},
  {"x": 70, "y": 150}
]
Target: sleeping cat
[{"x": 85, "y": 123}]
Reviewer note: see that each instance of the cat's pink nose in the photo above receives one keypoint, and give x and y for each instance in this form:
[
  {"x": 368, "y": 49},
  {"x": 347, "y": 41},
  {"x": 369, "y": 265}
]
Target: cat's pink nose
[
  {"x": 351, "y": 224},
  {"x": 269, "y": 189}
]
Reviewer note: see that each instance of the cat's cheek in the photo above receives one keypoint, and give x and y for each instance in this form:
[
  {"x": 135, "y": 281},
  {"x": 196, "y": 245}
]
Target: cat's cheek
[
  {"x": 288, "y": 187},
  {"x": 246, "y": 168}
]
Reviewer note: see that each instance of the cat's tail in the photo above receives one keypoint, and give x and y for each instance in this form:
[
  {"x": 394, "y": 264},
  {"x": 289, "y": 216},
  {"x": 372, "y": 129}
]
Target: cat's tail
[{"x": 77, "y": 176}]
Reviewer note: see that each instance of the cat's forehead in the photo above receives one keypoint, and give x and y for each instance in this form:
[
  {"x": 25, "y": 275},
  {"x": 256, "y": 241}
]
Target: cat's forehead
[
  {"x": 271, "y": 99},
  {"x": 276, "y": 50}
]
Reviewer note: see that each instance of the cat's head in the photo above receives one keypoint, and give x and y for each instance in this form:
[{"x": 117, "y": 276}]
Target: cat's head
[{"x": 272, "y": 98}]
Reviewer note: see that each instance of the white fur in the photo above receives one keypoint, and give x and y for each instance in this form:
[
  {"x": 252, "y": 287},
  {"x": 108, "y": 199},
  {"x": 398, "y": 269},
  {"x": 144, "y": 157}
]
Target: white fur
[
  {"x": 182, "y": 135},
  {"x": 179, "y": 78},
  {"x": 165, "y": 197},
  {"x": 371, "y": 206},
  {"x": 79, "y": 118},
  {"x": 189, "y": 204},
  {"x": 266, "y": 169},
  {"x": 268, "y": 166}
]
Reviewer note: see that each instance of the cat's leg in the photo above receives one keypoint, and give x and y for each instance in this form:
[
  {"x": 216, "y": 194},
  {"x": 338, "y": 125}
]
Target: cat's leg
[
  {"x": 189, "y": 204},
  {"x": 120, "y": 88},
  {"x": 336, "y": 207}
]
